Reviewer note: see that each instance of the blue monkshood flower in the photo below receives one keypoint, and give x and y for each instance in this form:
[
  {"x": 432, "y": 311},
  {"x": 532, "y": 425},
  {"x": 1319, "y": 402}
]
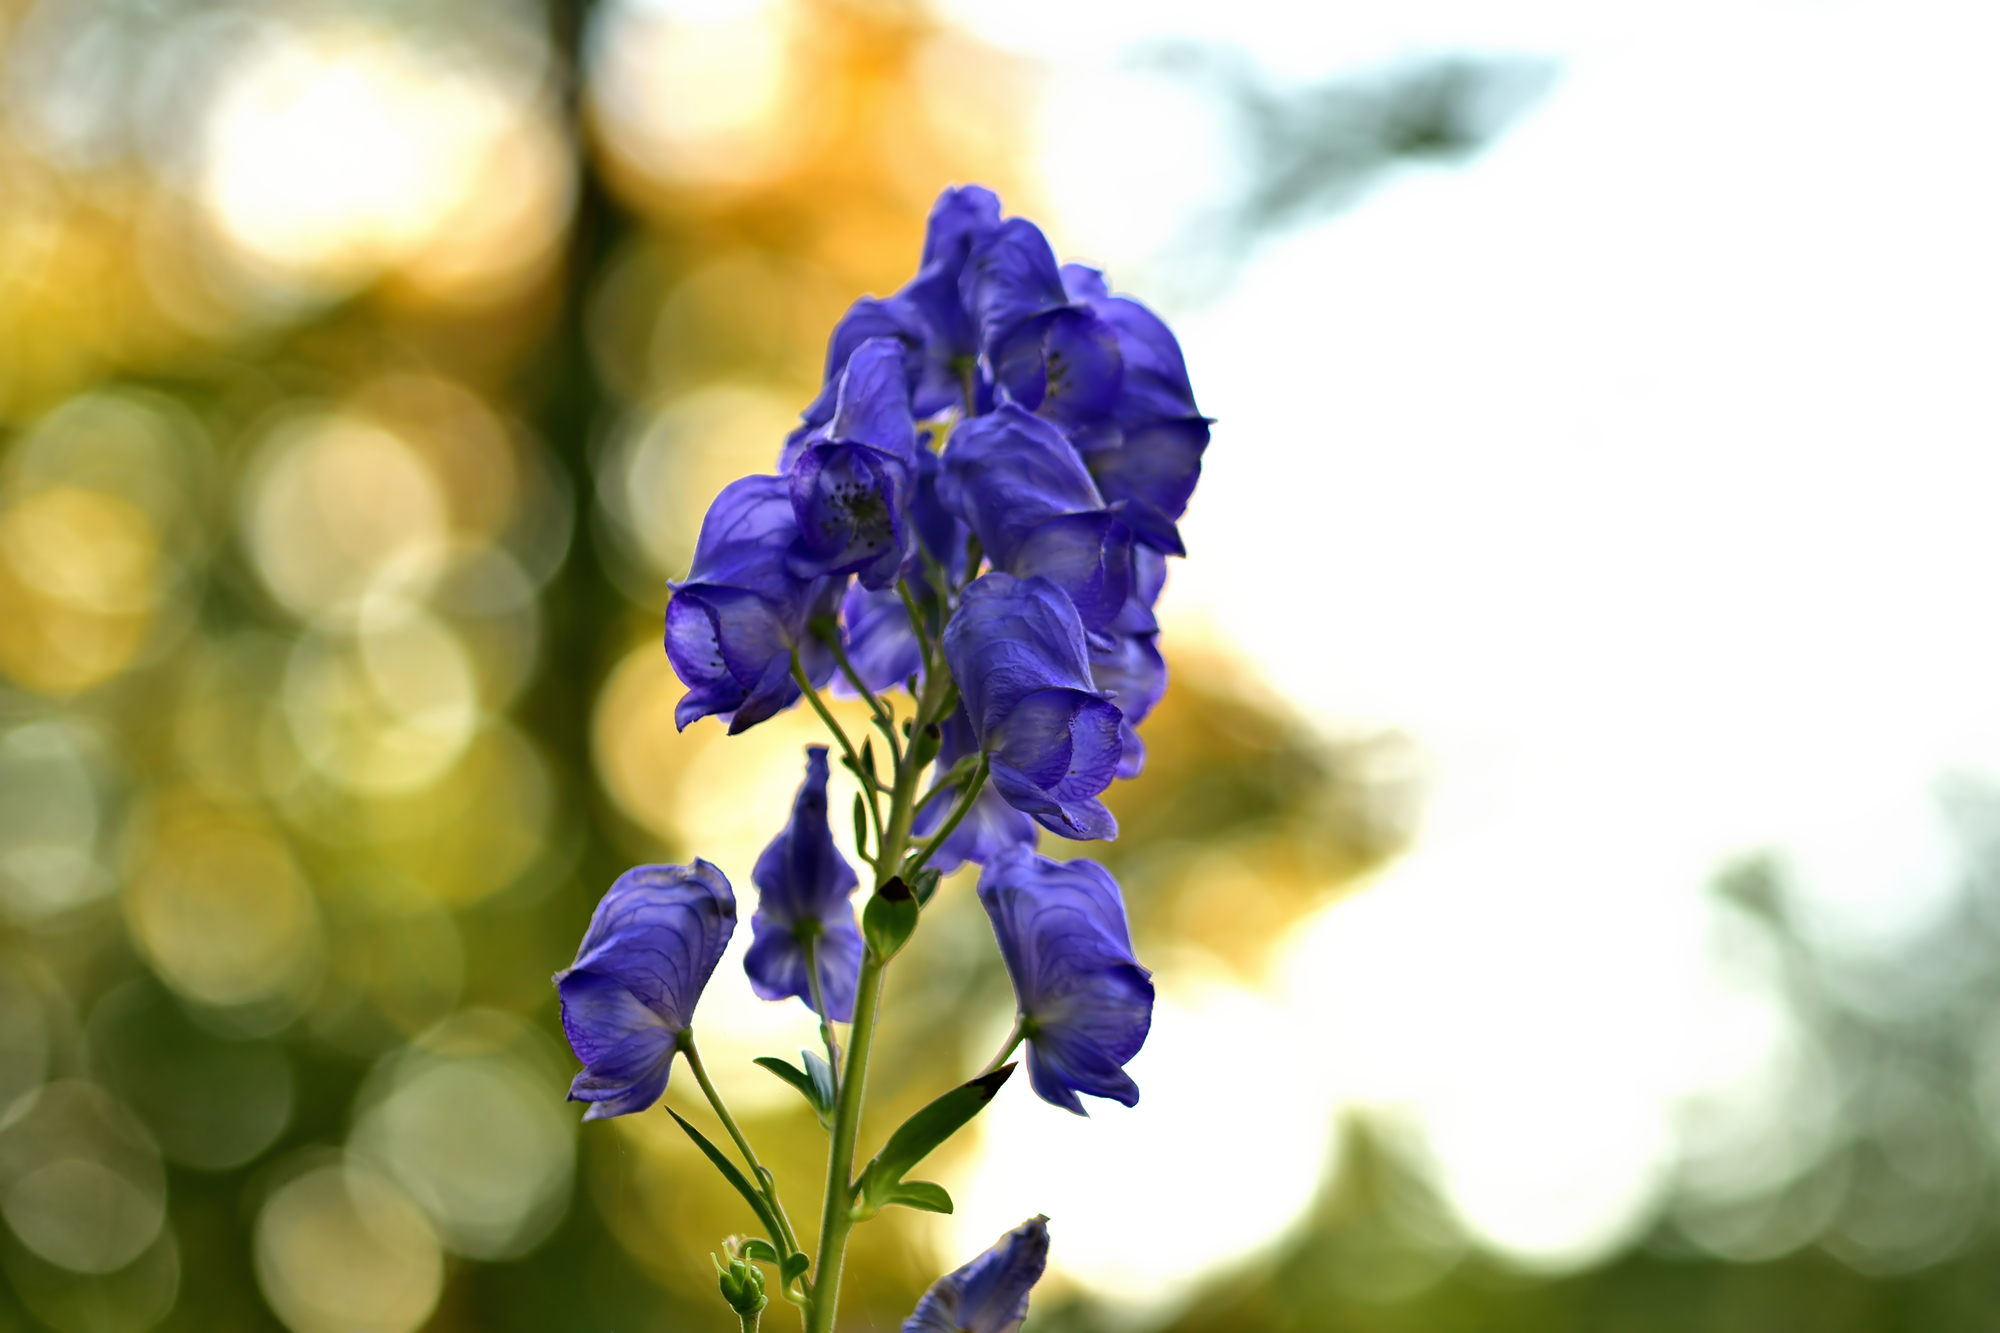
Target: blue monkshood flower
[
  {"x": 1144, "y": 447},
  {"x": 1125, "y": 661},
  {"x": 851, "y": 489},
  {"x": 927, "y": 319},
  {"x": 988, "y": 827},
  {"x": 868, "y": 318},
  {"x": 990, "y": 1294},
  {"x": 1011, "y": 288},
  {"x": 805, "y": 891},
  {"x": 732, "y": 626},
  {"x": 652, "y": 943},
  {"x": 1017, "y": 651},
  {"x": 1085, "y": 1003},
  {"x": 1027, "y": 496},
  {"x": 881, "y": 646},
  {"x": 961, "y": 221}
]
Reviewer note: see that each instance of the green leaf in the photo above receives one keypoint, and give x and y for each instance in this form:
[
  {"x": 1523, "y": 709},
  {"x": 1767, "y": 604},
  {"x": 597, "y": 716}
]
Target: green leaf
[
  {"x": 926, "y": 886},
  {"x": 889, "y": 919},
  {"x": 796, "y": 1263},
  {"x": 860, "y": 826},
  {"x": 918, "y": 1135},
  {"x": 816, "y": 1089},
  {"x": 919, "y": 1194},
  {"x": 760, "y": 1250},
  {"x": 821, "y": 1074},
  {"x": 735, "y": 1177}
]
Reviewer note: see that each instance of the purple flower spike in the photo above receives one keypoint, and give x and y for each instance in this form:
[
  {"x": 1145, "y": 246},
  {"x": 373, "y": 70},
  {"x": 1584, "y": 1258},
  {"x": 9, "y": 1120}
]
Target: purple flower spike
[
  {"x": 1027, "y": 496},
  {"x": 1085, "y": 1002},
  {"x": 804, "y": 891},
  {"x": 1017, "y": 650},
  {"x": 732, "y": 626},
  {"x": 990, "y": 1294},
  {"x": 652, "y": 944},
  {"x": 990, "y": 826}
]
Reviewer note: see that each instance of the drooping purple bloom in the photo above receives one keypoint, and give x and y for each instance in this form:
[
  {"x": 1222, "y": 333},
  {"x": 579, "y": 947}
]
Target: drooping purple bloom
[
  {"x": 1026, "y": 495},
  {"x": 1143, "y": 438},
  {"x": 990, "y": 1294},
  {"x": 1085, "y": 1003},
  {"x": 805, "y": 891},
  {"x": 1125, "y": 662},
  {"x": 1017, "y": 650},
  {"x": 850, "y": 489},
  {"x": 988, "y": 827},
  {"x": 732, "y": 626},
  {"x": 651, "y": 946},
  {"x": 868, "y": 318},
  {"x": 1011, "y": 288},
  {"x": 961, "y": 221},
  {"x": 881, "y": 646}
]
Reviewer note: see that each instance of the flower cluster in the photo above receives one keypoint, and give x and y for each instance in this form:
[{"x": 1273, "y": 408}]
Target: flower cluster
[{"x": 977, "y": 508}]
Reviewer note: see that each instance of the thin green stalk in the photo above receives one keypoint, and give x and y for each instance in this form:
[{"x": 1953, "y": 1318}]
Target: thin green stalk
[
  {"x": 1014, "y": 1039},
  {"x": 811, "y": 946},
  {"x": 865, "y": 776},
  {"x": 885, "y": 716},
  {"x": 836, "y": 1219},
  {"x": 916, "y": 616},
  {"x": 958, "y": 813},
  {"x": 763, "y": 1177}
]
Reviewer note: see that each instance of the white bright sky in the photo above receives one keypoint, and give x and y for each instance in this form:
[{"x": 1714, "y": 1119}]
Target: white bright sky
[{"x": 1644, "y": 472}]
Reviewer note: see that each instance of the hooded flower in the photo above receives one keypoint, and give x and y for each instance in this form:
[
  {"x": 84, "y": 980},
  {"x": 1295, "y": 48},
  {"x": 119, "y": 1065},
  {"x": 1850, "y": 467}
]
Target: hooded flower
[
  {"x": 851, "y": 489},
  {"x": 1085, "y": 1003},
  {"x": 804, "y": 892},
  {"x": 961, "y": 221},
  {"x": 988, "y": 827},
  {"x": 1125, "y": 662},
  {"x": 1018, "y": 484},
  {"x": 1143, "y": 437},
  {"x": 990, "y": 1294},
  {"x": 1017, "y": 650},
  {"x": 732, "y": 626},
  {"x": 652, "y": 944}
]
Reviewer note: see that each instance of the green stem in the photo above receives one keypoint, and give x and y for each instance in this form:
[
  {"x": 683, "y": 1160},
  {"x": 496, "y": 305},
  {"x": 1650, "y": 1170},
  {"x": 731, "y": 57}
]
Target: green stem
[
  {"x": 788, "y": 1238},
  {"x": 958, "y": 814},
  {"x": 750, "y": 1321},
  {"x": 836, "y": 1219},
  {"x": 811, "y": 946},
  {"x": 865, "y": 776},
  {"x": 1014, "y": 1039}
]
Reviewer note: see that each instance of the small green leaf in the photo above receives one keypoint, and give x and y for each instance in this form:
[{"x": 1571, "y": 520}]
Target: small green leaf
[
  {"x": 860, "y": 825},
  {"x": 889, "y": 919},
  {"x": 731, "y": 1174},
  {"x": 795, "y": 1264},
  {"x": 761, "y": 1250},
  {"x": 926, "y": 885},
  {"x": 921, "y": 1195},
  {"x": 919, "y": 1134},
  {"x": 817, "y": 1091},
  {"x": 821, "y": 1074}
]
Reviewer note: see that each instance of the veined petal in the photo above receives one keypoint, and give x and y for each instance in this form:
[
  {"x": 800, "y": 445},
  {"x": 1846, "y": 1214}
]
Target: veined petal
[{"x": 990, "y": 1294}]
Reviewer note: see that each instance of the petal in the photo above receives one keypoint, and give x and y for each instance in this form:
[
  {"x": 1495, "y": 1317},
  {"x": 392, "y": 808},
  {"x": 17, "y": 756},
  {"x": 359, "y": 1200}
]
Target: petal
[
  {"x": 874, "y": 402},
  {"x": 1010, "y": 638},
  {"x": 1055, "y": 752},
  {"x": 1008, "y": 472},
  {"x": 848, "y": 500},
  {"x": 1088, "y": 556},
  {"x": 990, "y": 1294},
  {"x": 801, "y": 875},
  {"x": 1010, "y": 277},
  {"x": 880, "y": 643},
  {"x": 659, "y": 932}
]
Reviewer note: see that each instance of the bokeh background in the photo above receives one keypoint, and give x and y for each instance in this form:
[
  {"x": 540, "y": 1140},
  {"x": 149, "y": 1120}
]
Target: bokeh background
[{"x": 1570, "y": 854}]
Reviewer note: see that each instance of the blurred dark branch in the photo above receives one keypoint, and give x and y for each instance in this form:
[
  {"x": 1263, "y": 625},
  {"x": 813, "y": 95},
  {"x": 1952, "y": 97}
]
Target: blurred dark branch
[{"x": 1312, "y": 151}]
